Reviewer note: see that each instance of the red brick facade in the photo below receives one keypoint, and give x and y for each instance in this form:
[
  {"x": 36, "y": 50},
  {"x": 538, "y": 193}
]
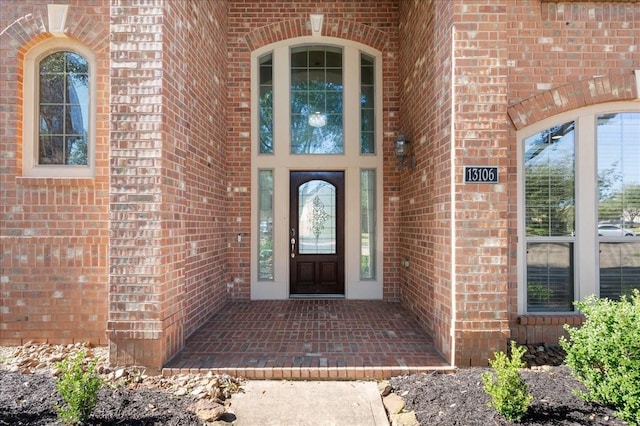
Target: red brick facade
[
  {"x": 142, "y": 254},
  {"x": 54, "y": 232}
]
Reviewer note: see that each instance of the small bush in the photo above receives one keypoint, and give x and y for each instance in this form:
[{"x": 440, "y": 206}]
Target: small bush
[
  {"x": 604, "y": 354},
  {"x": 509, "y": 394},
  {"x": 78, "y": 385}
]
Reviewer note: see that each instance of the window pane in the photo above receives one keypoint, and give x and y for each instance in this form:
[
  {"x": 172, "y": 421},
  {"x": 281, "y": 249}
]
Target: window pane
[
  {"x": 618, "y": 140},
  {"x": 549, "y": 277},
  {"x": 367, "y": 105},
  {"x": 368, "y": 224},
  {"x": 51, "y": 88},
  {"x": 63, "y": 109},
  {"x": 619, "y": 269},
  {"x": 299, "y": 57},
  {"x": 618, "y": 203},
  {"x": 334, "y": 57},
  {"x": 317, "y": 217},
  {"x": 334, "y": 80},
  {"x": 51, "y": 150},
  {"x": 316, "y": 101},
  {"x": 265, "y": 105},
  {"x": 75, "y": 64},
  {"x": 265, "y": 226},
  {"x": 550, "y": 182},
  {"x": 53, "y": 64},
  {"x": 51, "y": 119},
  {"x": 76, "y": 153}
]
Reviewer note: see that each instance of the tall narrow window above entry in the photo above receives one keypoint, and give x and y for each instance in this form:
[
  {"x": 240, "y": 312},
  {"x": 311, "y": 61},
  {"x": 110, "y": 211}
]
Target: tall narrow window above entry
[
  {"x": 266, "y": 104},
  {"x": 317, "y": 100},
  {"x": 367, "y": 105},
  {"x": 63, "y": 110}
]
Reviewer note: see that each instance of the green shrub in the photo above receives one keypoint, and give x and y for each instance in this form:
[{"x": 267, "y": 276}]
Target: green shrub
[
  {"x": 509, "y": 394},
  {"x": 78, "y": 384},
  {"x": 604, "y": 354}
]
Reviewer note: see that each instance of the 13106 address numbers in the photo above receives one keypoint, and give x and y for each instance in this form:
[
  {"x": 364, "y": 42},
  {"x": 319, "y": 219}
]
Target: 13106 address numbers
[{"x": 473, "y": 174}]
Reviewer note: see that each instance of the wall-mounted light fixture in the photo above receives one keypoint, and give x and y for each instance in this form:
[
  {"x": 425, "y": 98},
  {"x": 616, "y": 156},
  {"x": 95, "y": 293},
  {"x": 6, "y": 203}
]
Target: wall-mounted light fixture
[{"x": 402, "y": 148}]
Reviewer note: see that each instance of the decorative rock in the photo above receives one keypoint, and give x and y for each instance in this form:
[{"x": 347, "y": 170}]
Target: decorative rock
[
  {"x": 384, "y": 388},
  {"x": 42, "y": 358},
  {"x": 207, "y": 411},
  {"x": 197, "y": 391},
  {"x": 404, "y": 419},
  {"x": 393, "y": 403}
]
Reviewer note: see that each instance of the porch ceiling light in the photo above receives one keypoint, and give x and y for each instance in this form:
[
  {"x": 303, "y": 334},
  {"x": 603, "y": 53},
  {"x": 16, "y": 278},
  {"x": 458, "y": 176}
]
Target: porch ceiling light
[
  {"x": 317, "y": 119},
  {"x": 402, "y": 148}
]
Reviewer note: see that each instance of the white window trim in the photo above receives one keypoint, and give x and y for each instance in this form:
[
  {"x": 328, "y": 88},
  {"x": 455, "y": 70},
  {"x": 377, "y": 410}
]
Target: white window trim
[
  {"x": 30, "y": 166},
  {"x": 586, "y": 261},
  {"x": 281, "y": 161}
]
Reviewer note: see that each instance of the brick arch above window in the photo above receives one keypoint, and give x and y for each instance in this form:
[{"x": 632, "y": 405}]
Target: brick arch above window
[
  {"x": 300, "y": 27},
  {"x": 30, "y": 30},
  {"x": 571, "y": 96}
]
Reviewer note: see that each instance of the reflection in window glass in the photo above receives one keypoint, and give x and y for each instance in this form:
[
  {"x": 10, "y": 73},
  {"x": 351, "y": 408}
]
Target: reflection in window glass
[
  {"x": 316, "y": 100},
  {"x": 619, "y": 269},
  {"x": 265, "y": 225},
  {"x": 368, "y": 224},
  {"x": 550, "y": 182},
  {"x": 618, "y": 202},
  {"x": 63, "y": 109},
  {"x": 265, "y": 104},
  {"x": 367, "y": 105},
  {"x": 317, "y": 218},
  {"x": 549, "y": 277},
  {"x": 549, "y": 218}
]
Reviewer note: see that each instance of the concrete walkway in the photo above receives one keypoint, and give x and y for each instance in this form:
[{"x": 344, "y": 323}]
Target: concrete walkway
[{"x": 307, "y": 403}]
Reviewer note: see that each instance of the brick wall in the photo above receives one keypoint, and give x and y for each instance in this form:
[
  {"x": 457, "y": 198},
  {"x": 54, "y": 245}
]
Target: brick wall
[
  {"x": 168, "y": 186},
  {"x": 53, "y": 232},
  {"x": 455, "y": 234},
  {"x": 505, "y": 52},
  {"x": 424, "y": 197},
  {"x": 253, "y": 24}
]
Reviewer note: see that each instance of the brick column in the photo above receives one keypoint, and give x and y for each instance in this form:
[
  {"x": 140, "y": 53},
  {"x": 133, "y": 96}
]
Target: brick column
[
  {"x": 146, "y": 274},
  {"x": 480, "y": 211}
]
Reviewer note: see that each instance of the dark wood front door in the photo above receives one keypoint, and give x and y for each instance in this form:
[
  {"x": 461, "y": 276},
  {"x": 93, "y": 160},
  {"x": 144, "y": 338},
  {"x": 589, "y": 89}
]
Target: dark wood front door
[{"x": 316, "y": 233}]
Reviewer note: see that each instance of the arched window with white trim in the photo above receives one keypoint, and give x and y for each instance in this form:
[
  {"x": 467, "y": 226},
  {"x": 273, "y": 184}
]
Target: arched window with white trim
[{"x": 59, "y": 110}]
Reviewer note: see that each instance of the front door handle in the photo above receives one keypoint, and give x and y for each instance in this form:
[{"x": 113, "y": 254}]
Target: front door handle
[{"x": 293, "y": 243}]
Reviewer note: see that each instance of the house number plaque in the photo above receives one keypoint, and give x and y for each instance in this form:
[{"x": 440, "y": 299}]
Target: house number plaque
[{"x": 473, "y": 174}]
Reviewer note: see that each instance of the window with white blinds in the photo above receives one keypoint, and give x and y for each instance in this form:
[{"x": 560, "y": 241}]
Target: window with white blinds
[
  {"x": 618, "y": 158},
  {"x": 580, "y": 217},
  {"x": 550, "y": 217}
]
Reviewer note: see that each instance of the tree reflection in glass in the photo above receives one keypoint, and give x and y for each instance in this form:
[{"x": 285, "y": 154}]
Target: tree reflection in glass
[
  {"x": 316, "y": 100},
  {"x": 63, "y": 109}
]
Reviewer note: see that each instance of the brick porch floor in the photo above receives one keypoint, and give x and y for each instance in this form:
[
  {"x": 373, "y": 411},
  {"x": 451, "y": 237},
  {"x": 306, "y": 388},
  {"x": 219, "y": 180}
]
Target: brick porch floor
[{"x": 309, "y": 339}]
